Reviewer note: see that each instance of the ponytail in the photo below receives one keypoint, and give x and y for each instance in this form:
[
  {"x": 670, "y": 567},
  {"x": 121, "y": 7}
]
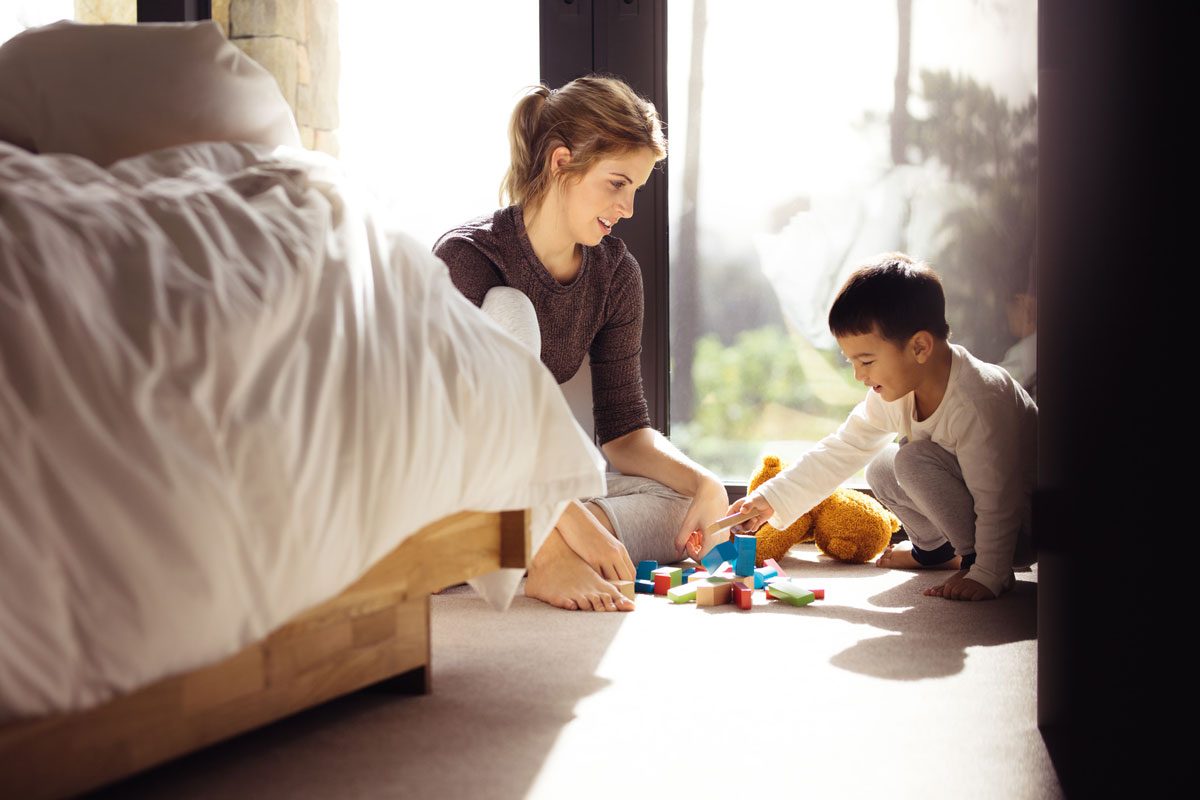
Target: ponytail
[{"x": 593, "y": 117}]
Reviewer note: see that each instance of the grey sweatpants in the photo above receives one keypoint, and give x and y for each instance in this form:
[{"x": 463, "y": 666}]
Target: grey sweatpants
[
  {"x": 644, "y": 513},
  {"x": 645, "y": 516},
  {"x": 922, "y": 484}
]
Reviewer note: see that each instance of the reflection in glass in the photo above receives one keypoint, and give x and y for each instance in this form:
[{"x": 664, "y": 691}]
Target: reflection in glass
[{"x": 807, "y": 137}]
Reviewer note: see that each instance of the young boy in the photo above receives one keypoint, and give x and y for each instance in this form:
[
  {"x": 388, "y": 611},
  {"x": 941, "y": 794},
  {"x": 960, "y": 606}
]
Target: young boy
[{"x": 961, "y": 477}]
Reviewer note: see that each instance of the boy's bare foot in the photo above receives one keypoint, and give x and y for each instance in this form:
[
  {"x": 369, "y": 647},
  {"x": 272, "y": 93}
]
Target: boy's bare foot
[
  {"x": 893, "y": 558},
  {"x": 561, "y": 578},
  {"x": 960, "y": 587}
]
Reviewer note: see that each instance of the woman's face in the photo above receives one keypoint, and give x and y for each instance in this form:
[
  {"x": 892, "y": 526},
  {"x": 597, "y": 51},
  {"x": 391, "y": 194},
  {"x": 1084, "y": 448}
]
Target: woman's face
[{"x": 595, "y": 203}]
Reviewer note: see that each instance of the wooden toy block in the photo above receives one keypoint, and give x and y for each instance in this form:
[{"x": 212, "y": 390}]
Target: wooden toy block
[
  {"x": 697, "y": 576},
  {"x": 713, "y": 560},
  {"x": 674, "y": 573},
  {"x": 713, "y": 592},
  {"x": 790, "y": 592},
  {"x": 761, "y": 574},
  {"x": 625, "y": 588},
  {"x": 727, "y": 522},
  {"x": 646, "y": 569},
  {"x": 684, "y": 593},
  {"x": 743, "y": 596},
  {"x": 770, "y": 562},
  {"x": 746, "y": 549},
  {"x": 818, "y": 593},
  {"x": 744, "y": 580},
  {"x": 643, "y": 587},
  {"x": 687, "y": 574},
  {"x": 662, "y": 583}
]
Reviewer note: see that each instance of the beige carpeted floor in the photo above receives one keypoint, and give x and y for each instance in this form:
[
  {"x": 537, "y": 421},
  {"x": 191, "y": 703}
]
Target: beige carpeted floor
[{"x": 875, "y": 692}]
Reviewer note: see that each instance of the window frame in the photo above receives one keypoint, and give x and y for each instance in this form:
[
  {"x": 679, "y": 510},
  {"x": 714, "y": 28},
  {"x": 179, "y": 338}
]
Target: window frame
[
  {"x": 173, "y": 10},
  {"x": 628, "y": 39}
]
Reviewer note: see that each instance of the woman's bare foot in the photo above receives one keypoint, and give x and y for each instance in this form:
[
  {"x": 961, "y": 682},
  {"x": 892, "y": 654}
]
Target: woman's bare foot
[
  {"x": 893, "y": 558},
  {"x": 587, "y": 530},
  {"x": 561, "y": 578}
]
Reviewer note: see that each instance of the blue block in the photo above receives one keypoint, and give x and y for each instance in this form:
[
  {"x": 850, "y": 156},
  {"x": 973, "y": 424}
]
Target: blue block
[
  {"x": 643, "y": 587},
  {"x": 762, "y": 574},
  {"x": 725, "y": 551},
  {"x": 713, "y": 560},
  {"x": 646, "y": 570},
  {"x": 747, "y": 549},
  {"x": 687, "y": 572}
]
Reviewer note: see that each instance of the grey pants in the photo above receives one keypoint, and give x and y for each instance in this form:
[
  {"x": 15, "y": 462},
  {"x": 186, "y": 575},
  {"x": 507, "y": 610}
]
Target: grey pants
[
  {"x": 645, "y": 514},
  {"x": 923, "y": 485}
]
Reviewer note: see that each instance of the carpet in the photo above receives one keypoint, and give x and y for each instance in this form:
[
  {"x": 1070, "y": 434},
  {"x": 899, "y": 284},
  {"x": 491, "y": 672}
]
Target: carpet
[{"x": 876, "y": 691}]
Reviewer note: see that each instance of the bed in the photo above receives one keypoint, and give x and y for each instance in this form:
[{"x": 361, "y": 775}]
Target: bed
[
  {"x": 245, "y": 431},
  {"x": 375, "y": 633}
]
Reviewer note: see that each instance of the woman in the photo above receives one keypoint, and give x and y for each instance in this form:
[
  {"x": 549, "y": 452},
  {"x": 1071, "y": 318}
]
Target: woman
[{"x": 549, "y": 270}]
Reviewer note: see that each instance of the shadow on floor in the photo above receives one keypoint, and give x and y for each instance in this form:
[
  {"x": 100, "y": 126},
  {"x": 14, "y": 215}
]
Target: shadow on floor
[
  {"x": 930, "y": 635},
  {"x": 474, "y": 724}
]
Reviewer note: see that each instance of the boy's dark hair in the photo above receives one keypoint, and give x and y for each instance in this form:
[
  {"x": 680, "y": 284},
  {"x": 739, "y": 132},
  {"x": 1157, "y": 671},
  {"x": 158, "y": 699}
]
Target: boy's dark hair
[{"x": 894, "y": 294}]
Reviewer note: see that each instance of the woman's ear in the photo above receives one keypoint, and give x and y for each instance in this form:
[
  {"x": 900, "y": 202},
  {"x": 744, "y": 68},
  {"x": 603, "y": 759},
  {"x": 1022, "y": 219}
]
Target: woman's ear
[{"x": 559, "y": 159}]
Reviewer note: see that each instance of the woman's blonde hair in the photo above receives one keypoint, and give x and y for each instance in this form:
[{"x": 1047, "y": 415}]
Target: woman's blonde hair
[{"x": 593, "y": 117}]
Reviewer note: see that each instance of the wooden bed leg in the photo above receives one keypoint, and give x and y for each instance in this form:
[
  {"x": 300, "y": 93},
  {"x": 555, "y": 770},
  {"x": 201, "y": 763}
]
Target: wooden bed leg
[
  {"x": 514, "y": 539},
  {"x": 415, "y": 681}
]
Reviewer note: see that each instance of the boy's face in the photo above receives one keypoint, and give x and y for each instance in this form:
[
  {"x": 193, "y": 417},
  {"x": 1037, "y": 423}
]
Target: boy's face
[{"x": 885, "y": 367}]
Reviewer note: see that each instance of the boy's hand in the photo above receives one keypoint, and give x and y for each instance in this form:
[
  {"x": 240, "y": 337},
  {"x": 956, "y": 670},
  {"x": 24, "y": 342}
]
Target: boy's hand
[
  {"x": 751, "y": 502},
  {"x": 960, "y": 587}
]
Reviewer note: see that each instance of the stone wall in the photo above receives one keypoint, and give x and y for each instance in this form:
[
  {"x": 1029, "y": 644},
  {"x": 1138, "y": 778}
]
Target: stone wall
[
  {"x": 297, "y": 41},
  {"x": 111, "y": 12}
]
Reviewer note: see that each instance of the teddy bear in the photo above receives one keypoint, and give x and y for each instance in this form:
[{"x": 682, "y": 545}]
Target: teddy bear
[{"x": 848, "y": 525}]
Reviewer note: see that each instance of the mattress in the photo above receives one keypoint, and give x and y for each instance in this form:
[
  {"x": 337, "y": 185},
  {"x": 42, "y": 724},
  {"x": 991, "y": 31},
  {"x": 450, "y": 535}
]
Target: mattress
[{"x": 226, "y": 390}]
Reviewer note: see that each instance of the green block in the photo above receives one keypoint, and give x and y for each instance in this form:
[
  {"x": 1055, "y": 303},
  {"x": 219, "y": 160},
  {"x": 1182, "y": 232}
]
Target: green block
[
  {"x": 675, "y": 573},
  {"x": 684, "y": 593},
  {"x": 790, "y": 593}
]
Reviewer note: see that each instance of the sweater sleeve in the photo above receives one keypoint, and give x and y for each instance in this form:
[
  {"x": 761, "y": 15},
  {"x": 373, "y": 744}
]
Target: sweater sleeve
[
  {"x": 864, "y": 434},
  {"x": 988, "y": 452},
  {"x": 470, "y": 270},
  {"x": 618, "y": 399}
]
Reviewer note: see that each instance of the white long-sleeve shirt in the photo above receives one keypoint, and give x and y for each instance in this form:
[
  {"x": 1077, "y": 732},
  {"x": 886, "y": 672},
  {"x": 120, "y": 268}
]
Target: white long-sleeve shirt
[{"x": 985, "y": 419}]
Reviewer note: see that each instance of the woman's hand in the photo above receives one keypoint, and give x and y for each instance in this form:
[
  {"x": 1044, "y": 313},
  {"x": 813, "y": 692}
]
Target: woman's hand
[
  {"x": 763, "y": 511},
  {"x": 592, "y": 542},
  {"x": 708, "y": 506}
]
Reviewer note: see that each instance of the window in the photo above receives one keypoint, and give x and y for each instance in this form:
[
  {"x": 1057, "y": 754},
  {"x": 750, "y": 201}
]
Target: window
[
  {"x": 425, "y": 102},
  {"x": 17, "y": 15},
  {"x": 806, "y": 137}
]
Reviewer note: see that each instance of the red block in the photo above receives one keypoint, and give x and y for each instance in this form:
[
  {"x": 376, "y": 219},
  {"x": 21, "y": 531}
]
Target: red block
[
  {"x": 661, "y": 584},
  {"x": 742, "y": 596},
  {"x": 818, "y": 593}
]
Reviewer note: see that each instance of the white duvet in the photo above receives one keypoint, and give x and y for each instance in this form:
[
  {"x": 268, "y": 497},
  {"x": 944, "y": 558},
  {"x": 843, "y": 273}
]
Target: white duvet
[{"x": 224, "y": 393}]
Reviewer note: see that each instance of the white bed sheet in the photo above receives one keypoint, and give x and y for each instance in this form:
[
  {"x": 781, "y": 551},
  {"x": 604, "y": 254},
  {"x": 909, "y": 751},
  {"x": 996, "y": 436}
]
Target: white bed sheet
[{"x": 225, "y": 392}]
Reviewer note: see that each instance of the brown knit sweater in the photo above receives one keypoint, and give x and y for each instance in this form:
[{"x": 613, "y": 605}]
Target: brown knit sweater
[{"x": 599, "y": 312}]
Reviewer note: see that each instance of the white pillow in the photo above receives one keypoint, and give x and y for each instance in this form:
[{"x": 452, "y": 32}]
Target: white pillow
[{"x": 107, "y": 92}]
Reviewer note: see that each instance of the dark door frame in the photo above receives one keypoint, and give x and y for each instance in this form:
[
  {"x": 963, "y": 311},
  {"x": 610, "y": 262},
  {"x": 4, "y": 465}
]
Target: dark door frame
[
  {"x": 626, "y": 39},
  {"x": 173, "y": 10}
]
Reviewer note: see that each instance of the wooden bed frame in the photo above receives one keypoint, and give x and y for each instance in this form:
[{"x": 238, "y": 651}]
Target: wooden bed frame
[{"x": 376, "y": 630}]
